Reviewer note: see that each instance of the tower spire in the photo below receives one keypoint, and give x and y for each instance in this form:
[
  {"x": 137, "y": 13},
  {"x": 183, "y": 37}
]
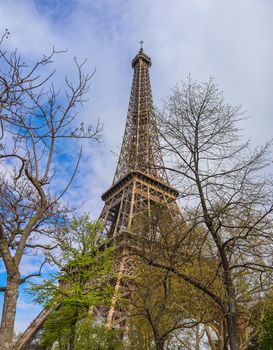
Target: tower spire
[{"x": 140, "y": 149}]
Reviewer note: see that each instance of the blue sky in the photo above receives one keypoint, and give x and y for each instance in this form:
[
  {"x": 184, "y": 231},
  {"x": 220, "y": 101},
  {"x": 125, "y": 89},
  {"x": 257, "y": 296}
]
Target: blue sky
[{"x": 229, "y": 39}]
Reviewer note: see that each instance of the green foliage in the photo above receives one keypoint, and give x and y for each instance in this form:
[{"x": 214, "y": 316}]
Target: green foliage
[
  {"x": 58, "y": 328},
  {"x": 92, "y": 335},
  {"x": 83, "y": 272},
  {"x": 87, "y": 333},
  {"x": 81, "y": 281},
  {"x": 140, "y": 334},
  {"x": 266, "y": 342}
]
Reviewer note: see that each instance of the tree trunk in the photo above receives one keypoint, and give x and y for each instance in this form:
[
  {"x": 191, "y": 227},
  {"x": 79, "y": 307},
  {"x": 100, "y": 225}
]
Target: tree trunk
[
  {"x": 197, "y": 337},
  {"x": 159, "y": 343},
  {"x": 222, "y": 336},
  {"x": 210, "y": 338},
  {"x": 231, "y": 316},
  {"x": 72, "y": 336},
  {"x": 9, "y": 312},
  {"x": 71, "y": 344},
  {"x": 232, "y": 325}
]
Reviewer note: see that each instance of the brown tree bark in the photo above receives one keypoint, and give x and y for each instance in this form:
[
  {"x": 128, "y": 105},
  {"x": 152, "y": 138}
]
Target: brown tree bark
[
  {"x": 72, "y": 336},
  {"x": 198, "y": 337},
  {"x": 232, "y": 319},
  {"x": 9, "y": 312},
  {"x": 159, "y": 343},
  {"x": 210, "y": 338}
]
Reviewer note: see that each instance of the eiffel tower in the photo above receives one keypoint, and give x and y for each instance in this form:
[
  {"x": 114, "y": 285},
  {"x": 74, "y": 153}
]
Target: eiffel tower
[
  {"x": 140, "y": 180},
  {"x": 139, "y": 183}
]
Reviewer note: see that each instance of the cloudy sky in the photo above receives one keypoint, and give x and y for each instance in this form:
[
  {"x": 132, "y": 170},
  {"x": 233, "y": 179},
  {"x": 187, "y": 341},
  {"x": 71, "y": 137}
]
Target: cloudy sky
[{"x": 228, "y": 39}]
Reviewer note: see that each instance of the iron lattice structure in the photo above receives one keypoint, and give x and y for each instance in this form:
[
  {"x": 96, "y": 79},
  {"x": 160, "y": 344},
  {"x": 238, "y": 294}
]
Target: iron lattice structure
[
  {"x": 140, "y": 180},
  {"x": 140, "y": 149}
]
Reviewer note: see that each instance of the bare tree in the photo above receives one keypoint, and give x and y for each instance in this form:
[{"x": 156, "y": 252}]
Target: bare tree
[
  {"x": 35, "y": 120},
  {"x": 229, "y": 197},
  {"x": 168, "y": 297}
]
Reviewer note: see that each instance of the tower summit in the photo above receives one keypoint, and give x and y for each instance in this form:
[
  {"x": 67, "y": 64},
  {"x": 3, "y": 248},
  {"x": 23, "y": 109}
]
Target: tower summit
[{"x": 140, "y": 149}]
